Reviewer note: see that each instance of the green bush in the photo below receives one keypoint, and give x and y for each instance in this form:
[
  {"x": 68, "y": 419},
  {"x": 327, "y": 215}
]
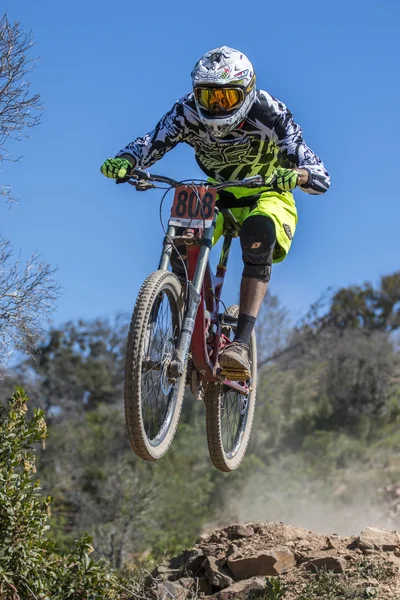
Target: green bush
[{"x": 30, "y": 566}]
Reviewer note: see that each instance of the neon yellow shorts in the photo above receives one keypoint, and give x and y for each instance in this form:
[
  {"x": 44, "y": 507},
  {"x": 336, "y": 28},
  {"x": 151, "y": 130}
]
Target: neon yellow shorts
[{"x": 281, "y": 207}]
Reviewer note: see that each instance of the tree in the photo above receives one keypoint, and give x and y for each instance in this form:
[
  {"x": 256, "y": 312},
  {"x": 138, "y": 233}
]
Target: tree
[
  {"x": 357, "y": 380},
  {"x": 363, "y": 308},
  {"x": 272, "y": 329},
  {"x": 338, "y": 368},
  {"x": 19, "y": 108},
  {"x": 80, "y": 365},
  {"x": 27, "y": 292},
  {"x": 366, "y": 307}
]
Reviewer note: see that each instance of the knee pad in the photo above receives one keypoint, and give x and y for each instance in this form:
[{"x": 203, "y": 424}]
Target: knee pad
[{"x": 257, "y": 239}]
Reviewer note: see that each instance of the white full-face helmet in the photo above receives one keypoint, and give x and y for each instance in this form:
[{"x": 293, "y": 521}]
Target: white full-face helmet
[{"x": 224, "y": 89}]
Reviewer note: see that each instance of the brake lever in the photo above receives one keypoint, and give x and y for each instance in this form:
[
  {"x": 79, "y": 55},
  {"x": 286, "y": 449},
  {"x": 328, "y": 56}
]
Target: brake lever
[
  {"x": 253, "y": 181},
  {"x": 141, "y": 185},
  {"x": 140, "y": 174},
  {"x": 258, "y": 181}
]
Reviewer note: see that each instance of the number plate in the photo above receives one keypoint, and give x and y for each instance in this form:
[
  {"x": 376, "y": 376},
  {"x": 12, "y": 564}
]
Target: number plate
[{"x": 193, "y": 206}]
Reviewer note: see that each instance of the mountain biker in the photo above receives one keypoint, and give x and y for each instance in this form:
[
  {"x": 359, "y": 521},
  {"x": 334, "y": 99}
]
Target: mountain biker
[{"x": 238, "y": 131}]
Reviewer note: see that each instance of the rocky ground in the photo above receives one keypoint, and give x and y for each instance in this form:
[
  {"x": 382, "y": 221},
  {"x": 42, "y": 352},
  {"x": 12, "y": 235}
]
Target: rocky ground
[{"x": 274, "y": 561}]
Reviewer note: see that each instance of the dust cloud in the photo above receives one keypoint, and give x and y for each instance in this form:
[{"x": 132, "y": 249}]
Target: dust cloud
[{"x": 311, "y": 505}]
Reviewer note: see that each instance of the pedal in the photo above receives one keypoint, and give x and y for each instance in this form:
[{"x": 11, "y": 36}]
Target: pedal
[{"x": 236, "y": 374}]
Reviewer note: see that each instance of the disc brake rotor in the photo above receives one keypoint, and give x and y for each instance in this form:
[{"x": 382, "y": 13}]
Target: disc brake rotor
[{"x": 167, "y": 354}]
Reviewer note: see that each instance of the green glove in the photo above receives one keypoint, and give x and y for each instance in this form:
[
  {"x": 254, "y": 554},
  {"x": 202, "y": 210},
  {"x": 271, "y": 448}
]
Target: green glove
[
  {"x": 116, "y": 168},
  {"x": 283, "y": 179}
]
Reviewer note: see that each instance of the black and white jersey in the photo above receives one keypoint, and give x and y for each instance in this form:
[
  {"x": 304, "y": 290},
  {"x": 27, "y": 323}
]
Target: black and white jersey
[{"x": 268, "y": 138}]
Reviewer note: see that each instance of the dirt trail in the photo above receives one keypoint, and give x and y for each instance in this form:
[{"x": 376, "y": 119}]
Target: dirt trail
[{"x": 279, "y": 562}]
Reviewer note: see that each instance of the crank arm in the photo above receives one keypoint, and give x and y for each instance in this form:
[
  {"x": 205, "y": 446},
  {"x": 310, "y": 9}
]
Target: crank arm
[{"x": 237, "y": 386}]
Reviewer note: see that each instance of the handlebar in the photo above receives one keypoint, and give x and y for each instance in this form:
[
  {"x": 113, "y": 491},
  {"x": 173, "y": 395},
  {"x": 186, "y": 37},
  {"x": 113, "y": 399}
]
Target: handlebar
[{"x": 143, "y": 180}]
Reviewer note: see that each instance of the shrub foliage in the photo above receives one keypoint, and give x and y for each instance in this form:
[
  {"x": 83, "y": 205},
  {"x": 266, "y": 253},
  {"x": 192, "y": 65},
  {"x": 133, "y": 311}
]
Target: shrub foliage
[{"x": 30, "y": 566}]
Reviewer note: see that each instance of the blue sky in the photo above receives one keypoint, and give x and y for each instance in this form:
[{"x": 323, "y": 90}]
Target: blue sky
[{"x": 108, "y": 72}]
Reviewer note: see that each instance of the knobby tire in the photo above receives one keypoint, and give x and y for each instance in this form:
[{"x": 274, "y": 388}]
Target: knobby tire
[
  {"x": 158, "y": 285},
  {"x": 214, "y": 396}
]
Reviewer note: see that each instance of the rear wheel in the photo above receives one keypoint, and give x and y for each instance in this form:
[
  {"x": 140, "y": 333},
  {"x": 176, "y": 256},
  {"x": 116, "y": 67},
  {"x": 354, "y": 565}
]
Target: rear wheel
[
  {"x": 153, "y": 401},
  {"x": 230, "y": 414}
]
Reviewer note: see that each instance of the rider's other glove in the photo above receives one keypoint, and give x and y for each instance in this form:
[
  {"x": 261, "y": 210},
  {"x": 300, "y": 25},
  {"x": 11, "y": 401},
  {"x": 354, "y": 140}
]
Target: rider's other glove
[
  {"x": 116, "y": 168},
  {"x": 283, "y": 179}
]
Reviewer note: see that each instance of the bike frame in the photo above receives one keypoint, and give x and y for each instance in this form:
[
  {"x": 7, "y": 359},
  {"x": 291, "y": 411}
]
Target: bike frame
[
  {"x": 204, "y": 288},
  {"x": 202, "y": 308}
]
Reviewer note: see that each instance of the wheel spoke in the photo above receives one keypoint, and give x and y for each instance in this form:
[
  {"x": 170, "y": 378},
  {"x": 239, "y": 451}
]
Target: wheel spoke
[
  {"x": 153, "y": 402},
  {"x": 229, "y": 412},
  {"x": 233, "y": 419},
  {"x": 158, "y": 395}
]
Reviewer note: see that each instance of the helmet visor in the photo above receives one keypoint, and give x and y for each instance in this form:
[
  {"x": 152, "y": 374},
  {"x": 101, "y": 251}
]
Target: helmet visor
[{"x": 219, "y": 100}]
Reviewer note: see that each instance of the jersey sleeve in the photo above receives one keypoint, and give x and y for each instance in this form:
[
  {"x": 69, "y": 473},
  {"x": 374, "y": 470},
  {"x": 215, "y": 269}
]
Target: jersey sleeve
[
  {"x": 168, "y": 132},
  {"x": 289, "y": 138}
]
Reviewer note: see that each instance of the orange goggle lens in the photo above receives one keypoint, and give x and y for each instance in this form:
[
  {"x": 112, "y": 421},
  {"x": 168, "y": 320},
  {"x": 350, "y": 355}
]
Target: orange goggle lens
[{"x": 226, "y": 98}]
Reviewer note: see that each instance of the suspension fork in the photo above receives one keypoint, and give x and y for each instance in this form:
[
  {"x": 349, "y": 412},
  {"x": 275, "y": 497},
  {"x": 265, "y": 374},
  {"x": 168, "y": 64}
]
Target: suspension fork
[
  {"x": 193, "y": 301},
  {"x": 165, "y": 258}
]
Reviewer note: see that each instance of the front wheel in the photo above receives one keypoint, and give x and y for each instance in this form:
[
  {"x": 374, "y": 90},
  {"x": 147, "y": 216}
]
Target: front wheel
[
  {"x": 153, "y": 400},
  {"x": 229, "y": 414}
]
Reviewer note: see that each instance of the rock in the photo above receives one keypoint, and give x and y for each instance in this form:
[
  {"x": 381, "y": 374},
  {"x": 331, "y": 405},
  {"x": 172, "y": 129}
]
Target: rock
[
  {"x": 171, "y": 590},
  {"x": 300, "y": 557},
  {"x": 203, "y": 537},
  {"x": 233, "y": 551},
  {"x": 244, "y": 531},
  {"x": 258, "y": 528},
  {"x": 380, "y": 539},
  {"x": 194, "y": 562},
  {"x": 240, "y": 589},
  {"x": 165, "y": 568},
  {"x": 237, "y": 565},
  {"x": 264, "y": 563},
  {"x": 216, "y": 574},
  {"x": 328, "y": 563},
  {"x": 178, "y": 561},
  {"x": 164, "y": 572},
  {"x": 395, "y": 560},
  {"x": 187, "y": 582},
  {"x": 240, "y": 531},
  {"x": 351, "y": 557},
  {"x": 196, "y": 585},
  {"x": 333, "y": 542}
]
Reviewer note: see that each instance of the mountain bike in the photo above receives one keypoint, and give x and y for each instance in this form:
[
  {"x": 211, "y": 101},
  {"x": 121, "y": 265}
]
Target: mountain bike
[{"x": 178, "y": 329}]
